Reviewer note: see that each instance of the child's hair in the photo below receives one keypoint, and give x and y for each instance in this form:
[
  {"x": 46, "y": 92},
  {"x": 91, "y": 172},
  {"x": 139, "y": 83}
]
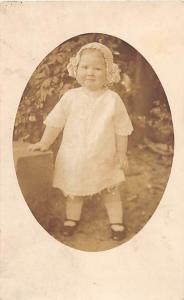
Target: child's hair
[{"x": 113, "y": 72}]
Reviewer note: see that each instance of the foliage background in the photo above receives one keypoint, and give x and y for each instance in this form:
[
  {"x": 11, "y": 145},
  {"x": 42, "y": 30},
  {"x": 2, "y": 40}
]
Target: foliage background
[{"x": 139, "y": 87}]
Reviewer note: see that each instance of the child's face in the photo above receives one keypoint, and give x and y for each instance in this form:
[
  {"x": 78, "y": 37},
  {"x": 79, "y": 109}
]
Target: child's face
[{"x": 91, "y": 71}]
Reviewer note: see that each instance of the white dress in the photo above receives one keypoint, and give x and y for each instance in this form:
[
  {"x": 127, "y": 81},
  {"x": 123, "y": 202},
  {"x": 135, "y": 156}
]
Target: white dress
[{"x": 85, "y": 163}]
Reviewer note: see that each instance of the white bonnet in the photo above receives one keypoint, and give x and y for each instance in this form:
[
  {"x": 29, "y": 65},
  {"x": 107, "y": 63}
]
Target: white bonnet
[{"x": 113, "y": 72}]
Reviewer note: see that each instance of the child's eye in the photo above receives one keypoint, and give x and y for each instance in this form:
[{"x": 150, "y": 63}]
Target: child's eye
[{"x": 84, "y": 67}]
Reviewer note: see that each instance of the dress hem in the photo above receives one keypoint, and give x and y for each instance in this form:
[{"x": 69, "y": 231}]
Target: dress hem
[{"x": 108, "y": 189}]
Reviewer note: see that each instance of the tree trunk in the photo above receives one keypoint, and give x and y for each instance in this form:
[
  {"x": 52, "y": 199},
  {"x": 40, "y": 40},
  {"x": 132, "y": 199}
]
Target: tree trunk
[{"x": 142, "y": 101}]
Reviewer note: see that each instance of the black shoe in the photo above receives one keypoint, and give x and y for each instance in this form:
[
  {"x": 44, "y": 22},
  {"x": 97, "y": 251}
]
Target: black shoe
[
  {"x": 118, "y": 235},
  {"x": 69, "y": 230}
]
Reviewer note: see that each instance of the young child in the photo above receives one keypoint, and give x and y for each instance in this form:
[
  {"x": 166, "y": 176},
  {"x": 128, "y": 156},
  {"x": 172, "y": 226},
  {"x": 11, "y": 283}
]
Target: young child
[{"x": 95, "y": 124}]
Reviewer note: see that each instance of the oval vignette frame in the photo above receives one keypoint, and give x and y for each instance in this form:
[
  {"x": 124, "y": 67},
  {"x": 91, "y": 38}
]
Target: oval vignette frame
[{"x": 152, "y": 143}]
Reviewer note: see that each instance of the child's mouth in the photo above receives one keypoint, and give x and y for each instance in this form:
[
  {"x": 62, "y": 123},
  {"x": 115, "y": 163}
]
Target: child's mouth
[{"x": 90, "y": 79}]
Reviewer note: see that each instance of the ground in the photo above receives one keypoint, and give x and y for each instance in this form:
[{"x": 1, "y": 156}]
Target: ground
[{"x": 146, "y": 181}]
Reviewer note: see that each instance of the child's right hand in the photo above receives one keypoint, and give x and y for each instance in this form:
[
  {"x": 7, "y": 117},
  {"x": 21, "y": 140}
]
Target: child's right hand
[{"x": 37, "y": 147}]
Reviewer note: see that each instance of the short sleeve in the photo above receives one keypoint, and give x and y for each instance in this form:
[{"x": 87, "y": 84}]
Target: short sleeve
[
  {"x": 58, "y": 115},
  {"x": 123, "y": 124}
]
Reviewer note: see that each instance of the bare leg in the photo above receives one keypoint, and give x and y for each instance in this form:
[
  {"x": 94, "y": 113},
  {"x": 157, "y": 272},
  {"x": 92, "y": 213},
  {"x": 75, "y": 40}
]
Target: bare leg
[
  {"x": 73, "y": 214},
  {"x": 113, "y": 204},
  {"x": 74, "y": 208}
]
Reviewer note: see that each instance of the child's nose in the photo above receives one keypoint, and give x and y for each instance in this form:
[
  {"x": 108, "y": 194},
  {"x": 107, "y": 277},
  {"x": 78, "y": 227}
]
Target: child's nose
[{"x": 90, "y": 71}]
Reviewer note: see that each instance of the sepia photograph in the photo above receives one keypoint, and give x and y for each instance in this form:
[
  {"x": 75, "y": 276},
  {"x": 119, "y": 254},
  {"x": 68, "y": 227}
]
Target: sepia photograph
[
  {"x": 92, "y": 132},
  {"x": 91, "y": 152}
]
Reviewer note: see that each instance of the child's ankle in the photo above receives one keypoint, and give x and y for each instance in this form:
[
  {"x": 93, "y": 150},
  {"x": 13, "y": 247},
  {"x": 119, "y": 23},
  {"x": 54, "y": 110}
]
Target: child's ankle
[
  {"x": 70, "y": 222},
  {"x": 117, "y": 226}
]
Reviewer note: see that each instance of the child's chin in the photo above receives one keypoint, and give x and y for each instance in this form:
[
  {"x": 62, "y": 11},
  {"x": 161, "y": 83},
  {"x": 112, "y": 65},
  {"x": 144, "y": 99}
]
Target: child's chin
[{"x": 91, "y": 86}]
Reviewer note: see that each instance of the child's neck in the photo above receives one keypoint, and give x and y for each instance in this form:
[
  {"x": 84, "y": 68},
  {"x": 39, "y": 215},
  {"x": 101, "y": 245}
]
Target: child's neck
[{"x": 95, "y": 93}]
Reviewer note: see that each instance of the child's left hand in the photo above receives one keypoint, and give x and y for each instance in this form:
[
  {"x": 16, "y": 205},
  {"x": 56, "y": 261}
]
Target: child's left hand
[{"x": 122, "y": 162}]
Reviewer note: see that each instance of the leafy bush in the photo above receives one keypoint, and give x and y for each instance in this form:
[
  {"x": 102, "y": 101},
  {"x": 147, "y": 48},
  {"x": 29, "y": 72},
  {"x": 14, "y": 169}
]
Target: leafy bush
[{"x": 160, "y": 124}]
